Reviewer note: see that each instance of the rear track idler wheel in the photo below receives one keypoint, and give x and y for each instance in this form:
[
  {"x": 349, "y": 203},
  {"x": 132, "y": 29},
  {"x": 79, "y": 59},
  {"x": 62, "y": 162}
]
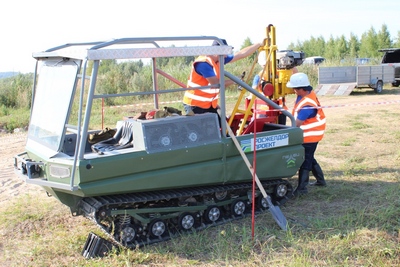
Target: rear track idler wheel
[
  {"x": 281, "y": 190},
  {"x": 157, "y": 228},
  {"x": 281, "y": 194},
  {"x": 212, "y": 214}
]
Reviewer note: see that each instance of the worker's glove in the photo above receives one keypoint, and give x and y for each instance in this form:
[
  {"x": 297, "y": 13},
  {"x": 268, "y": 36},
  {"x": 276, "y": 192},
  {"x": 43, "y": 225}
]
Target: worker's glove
[{"x": 262, "y": 43}]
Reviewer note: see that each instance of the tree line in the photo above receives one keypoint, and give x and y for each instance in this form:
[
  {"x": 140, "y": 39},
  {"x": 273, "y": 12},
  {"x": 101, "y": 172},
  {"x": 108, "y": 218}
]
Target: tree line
[
  {"x": 337, "y": 48},
  {"x": 114, "y": 77}
]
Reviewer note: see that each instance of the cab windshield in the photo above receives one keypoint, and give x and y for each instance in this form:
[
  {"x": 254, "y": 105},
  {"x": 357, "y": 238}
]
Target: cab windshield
[{"x": 52, "y": 102}]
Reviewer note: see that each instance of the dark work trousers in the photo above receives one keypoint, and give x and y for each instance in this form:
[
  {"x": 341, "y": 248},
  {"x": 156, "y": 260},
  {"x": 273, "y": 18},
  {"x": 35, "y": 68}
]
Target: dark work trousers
[
  {"x": 309, "y": 160},
  {"x": 198, "y": 110},
  {"x": 305, "y": 168}
]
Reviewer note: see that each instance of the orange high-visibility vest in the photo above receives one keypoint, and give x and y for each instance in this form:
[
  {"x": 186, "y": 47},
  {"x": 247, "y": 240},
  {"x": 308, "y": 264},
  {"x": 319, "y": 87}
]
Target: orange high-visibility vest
[
  {"x": 313, "y": 128},
  {"x": 203, "y": 98}
]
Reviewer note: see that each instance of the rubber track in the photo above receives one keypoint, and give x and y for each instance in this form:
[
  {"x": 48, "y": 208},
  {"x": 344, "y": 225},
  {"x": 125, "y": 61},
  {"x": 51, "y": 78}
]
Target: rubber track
[{"x": 89, "y": 206}]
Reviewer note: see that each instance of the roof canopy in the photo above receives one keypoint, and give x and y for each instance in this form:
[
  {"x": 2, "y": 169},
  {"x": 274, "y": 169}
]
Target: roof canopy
[{"x": 131, "y": 48}]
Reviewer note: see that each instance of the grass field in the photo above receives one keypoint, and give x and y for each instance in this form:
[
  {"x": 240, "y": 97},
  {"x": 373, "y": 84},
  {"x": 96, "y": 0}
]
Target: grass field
[{"x": 354, "y": 221}]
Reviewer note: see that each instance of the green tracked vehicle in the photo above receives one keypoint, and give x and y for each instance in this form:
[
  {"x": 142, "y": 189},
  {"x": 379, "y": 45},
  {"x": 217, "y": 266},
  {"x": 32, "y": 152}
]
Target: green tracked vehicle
[{"x": 154, "y": 177}]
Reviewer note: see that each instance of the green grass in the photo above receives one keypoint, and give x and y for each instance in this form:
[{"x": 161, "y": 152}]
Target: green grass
[
  {"x": 11, "y": 119},
  {"x": 349, "y": 223},
  {"x": 354, "y": 221}
]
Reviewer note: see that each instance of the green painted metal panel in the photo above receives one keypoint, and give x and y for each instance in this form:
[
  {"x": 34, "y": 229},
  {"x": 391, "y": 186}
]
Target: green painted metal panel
[{"x": 209, "y": 164}]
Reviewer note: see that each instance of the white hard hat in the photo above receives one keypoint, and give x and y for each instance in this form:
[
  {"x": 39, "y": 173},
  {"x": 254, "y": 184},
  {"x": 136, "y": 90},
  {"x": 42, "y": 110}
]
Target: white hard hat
[
  {"x": 297, "y": 80},
  {"x": 262, "y": 58}
]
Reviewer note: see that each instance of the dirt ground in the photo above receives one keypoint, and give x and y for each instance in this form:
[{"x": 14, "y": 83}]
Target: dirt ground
[{"x": 11, "y": 185}]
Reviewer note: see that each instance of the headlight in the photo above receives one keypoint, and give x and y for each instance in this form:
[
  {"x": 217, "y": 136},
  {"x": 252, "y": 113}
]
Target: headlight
[{"x": 60, "y": 171}]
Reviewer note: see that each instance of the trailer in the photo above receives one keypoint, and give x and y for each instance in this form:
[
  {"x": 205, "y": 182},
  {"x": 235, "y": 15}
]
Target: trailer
[{"x": 342, "y": 80}]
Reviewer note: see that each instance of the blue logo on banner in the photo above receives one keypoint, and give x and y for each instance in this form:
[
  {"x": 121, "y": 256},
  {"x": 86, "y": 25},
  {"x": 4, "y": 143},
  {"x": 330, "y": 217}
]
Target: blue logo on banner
[
  {"x": 265, "y": 142},
  {"x": 246, "y": 145}
]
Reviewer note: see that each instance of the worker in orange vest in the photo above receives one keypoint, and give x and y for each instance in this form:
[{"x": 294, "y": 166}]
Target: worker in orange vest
[
  {"x": 204, "y": 72},
  {"x": 311, "y": 119}
]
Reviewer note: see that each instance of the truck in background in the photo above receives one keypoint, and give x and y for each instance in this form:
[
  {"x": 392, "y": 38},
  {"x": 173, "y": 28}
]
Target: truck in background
[
  {"x": 316, "y": 60},
  {"x": 392, "y": 58}
]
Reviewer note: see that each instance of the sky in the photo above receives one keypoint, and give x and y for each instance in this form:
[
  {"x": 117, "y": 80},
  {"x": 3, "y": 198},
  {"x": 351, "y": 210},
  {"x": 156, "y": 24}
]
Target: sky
[{"x": 32, "y": 26}]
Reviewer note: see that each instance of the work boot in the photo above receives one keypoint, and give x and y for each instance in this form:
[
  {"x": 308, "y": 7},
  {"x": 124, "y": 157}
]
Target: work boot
[
  {"x": 318, "y": 174},
  {"x": 304, "y": 177}
]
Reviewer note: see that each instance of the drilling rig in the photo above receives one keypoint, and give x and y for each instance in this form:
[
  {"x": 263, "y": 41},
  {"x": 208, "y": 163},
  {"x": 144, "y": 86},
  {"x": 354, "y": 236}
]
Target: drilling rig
[{"x": 277, "y": 67}]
